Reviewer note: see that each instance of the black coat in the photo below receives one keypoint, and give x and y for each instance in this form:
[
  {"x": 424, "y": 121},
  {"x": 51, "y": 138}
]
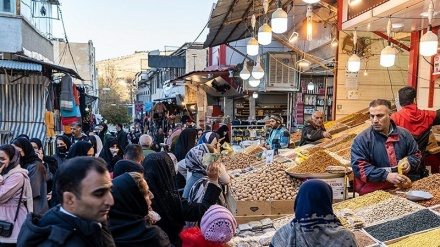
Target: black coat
[
  {"x": 56, "y": 228},
  {"x": 311, "y": 133},
  {"x": 122, "y": 139}
]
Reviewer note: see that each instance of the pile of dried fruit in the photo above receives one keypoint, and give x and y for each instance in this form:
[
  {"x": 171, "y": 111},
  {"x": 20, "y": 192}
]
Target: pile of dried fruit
[
  {"x": 295, "y": 137},
  {"x": 431, "y": 182},
  {"x": 254, "y": 149},
  {"x": 362, "y": 239},
  {"x": 316, "y": 163},
  {"x": 435, "y": 200},
  {"x": 237, "y": 161},
  {"x": 268, "y": 183},
  {"x": 426, "y": 239},
  {"x": 342, "y": 145},
  {"x": 338, "y": 140},
  {"x": 364, "y": 201},
  {"x": 345, "y": 153}
]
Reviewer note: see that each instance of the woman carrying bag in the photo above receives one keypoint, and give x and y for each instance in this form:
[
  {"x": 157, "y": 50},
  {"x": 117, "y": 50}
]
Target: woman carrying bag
[{"x": 15, "y": 195}]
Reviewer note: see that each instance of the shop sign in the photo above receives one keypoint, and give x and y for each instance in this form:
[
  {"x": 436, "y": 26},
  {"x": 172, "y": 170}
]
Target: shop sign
[
  {"x": 351, "y": 80},
  {"x": 436, "y": 65},
  {"x": 269, "y": 156},
  {"x": 337, "y": 185}
]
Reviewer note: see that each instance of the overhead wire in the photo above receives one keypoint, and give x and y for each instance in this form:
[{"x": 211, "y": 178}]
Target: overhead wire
[{"x": 67, "y": 40}]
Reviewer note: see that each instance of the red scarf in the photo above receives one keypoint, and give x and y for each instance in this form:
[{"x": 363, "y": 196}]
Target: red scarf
[
  {"x": 192, "y": 237},
  {"x": 413, "y": 119}
]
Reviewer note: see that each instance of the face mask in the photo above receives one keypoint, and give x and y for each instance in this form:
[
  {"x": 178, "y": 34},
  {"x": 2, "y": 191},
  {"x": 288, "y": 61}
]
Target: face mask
[
  {"x": 62, "y": 149},
  {"x": 114, "y": 150}
]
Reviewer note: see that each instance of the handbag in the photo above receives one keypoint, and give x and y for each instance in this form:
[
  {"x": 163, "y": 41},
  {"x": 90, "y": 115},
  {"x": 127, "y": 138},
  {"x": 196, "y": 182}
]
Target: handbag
[{"x": 7, "y": 227}]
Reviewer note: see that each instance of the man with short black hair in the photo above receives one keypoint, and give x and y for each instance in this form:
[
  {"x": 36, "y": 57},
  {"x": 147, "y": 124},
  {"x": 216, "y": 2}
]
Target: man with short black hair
[
  {"x": 84, "y": 190},
  {"x": 133, "y": 158},
  {"x": 418, "y": 123},
  {"x": 77, "y": 134},
  {"x": 133, "y": 152},
  {"x": 278, "y": 136},
  {"x": 378, "y": 149}
]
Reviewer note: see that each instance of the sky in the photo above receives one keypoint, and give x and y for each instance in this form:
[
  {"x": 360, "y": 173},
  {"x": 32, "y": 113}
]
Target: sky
[{"x": 119, "y": 28}]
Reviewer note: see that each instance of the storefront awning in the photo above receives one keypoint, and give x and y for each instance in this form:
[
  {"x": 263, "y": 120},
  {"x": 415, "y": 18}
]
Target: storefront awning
[
  {"x": 51, "y": 66},
  {"x": 10, "y": 64}
]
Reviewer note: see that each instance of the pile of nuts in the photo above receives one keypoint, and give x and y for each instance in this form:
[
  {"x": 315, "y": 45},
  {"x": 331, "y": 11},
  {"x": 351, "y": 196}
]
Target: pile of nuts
[
  {"x": 362, "y": 239},
  {"x": 265, "y": 184},
  {"x": 338, "y": 140},
  {"x": 435, "y": 200},
  {"x": 387, "y": 209},
  {"x": 316, "y": 163},
  {"x": 431, "y": 182},
  {"x": 412, "y": 223},
  {"x": 345, "y": 153},
  {"x": 342, "y": 145},
  {"x": 364, "y": 201},
  {"x": 254, "y": 149},
  {"x": 426, "y": 239},
  {"x": 238, "y": 161}
]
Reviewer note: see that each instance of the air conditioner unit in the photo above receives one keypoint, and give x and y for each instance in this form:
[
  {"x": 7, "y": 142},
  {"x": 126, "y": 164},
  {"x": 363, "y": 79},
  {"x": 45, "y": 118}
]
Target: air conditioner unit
[{"x": 281, "y": 73}]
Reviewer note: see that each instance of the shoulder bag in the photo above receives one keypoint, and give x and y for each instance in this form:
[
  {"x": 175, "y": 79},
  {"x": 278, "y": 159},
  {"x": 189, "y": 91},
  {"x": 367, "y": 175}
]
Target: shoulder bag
[{"x": 7, "y": 227}]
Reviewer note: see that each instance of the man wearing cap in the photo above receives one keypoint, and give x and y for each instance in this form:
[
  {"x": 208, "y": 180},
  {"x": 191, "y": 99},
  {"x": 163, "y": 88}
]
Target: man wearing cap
[
  {"x": 279, "y": 136},
  {"x": 314, "y": 130}
]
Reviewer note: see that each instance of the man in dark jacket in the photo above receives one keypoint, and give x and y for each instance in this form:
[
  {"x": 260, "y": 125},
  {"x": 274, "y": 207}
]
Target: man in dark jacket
[
  {"x": 418, "y": 122},
  {"x": 81, "y": 218},
  {"x": 314, "y": 130},
  {"x": 122, "y": 136},
  {"x": 378, "y": 149},
  {"x": 158, "y": 139}
]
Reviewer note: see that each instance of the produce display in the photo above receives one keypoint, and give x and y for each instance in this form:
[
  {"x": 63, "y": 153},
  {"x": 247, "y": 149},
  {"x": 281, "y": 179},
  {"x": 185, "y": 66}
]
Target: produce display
[
  {"x": 336, "y": 127},
  {"x": 316, "y": 163},
  {"x": 437, "y": 209},
  {"x": 342, "y": 145},
  {"x": 278, "y": 223},
  {"x": 295, "y": 137},
  {"x": 426, "y": 239},
  {"x": 363, "y": 239},
  {"x": 267, "y": 183},
  {"x": 431, "y": 182},
  {"x": 358, "y": 120},
  {"x": 385, "y": 210},
  {"x": 237, "y": 161},
  {"x": 336, "y": 141},
  {"x": 345, "y": 153},
  {"x": 435, "y": 200},
  {"x": 412, "y": 223},
  {"x": 254, "y": 149},
  {"x": 364, "y": 201}
]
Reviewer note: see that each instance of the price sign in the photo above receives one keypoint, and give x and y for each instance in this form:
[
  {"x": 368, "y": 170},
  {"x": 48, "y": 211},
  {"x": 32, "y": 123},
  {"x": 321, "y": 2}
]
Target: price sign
[{"x": 269, "y": 156}]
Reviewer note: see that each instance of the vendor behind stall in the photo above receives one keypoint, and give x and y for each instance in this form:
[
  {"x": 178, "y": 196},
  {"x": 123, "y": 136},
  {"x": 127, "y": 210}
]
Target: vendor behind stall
[
  {"x": 379, "y": 148},
  {"x": 279, "y": 136},
  {"x": 314, "y": 130}
]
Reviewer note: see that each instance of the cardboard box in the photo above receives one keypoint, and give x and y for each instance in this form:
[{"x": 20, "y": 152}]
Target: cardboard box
[{"x": 249, "y": 208}]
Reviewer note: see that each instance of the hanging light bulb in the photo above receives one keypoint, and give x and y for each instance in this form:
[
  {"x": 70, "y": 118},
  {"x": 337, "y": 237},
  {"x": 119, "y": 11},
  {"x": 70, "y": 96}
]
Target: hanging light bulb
[
  {"x": 388, "y": 54},
  {"x": 293, "y": 37},
  {"x": 252, "y": 47},
  {"x": 309, "y": 22},
  {"x": 304, "y": 63},
  {"x": 87, "y": 108},
  {"x": 334, "y": 42},
  {"x": 264, "y": 34},
  {"x": 310, "y": 1},
  {"x": 253, "y": 82},
  {"x": 310, "y": 86},
  {"x": 354, "y": 2},
  {"x": 429, "y": 41},
  {"x": 279, "y": 19},
  {"x": 244, "y": 73},
  {"x": 265, "y": 6},
  {"x": 354, "y": 62},
  {"x": 365, "y": 72},
  {"x": 257, "y": 71},
  {"x": 255, "y": 95},
  {"x": 253, "y": 21}
]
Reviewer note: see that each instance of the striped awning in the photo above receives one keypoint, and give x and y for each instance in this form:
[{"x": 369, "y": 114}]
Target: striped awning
[{"x": 10, "y": 64}]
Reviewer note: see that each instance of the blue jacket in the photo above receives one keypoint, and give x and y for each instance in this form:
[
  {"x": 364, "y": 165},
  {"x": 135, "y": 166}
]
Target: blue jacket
[
  {"x": 278, "y": 138},
  {"x": 372, "y": 151}
]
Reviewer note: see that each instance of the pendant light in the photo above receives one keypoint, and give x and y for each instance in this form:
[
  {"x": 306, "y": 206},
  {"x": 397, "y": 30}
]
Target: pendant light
[
  {"x": 310, "y": 1},
  {"x": 309, "y": 16},
  {"x": 310, "y": 86},
  {"x": 279, "y": 19},
  {"x": 429, "y": 41},
  {"x": 388, "y": 54},
  {"x": 354, "y": 62},
  {"x": 304, "y": 63},
  {"x": 252, "y": 45},
  {"x": 253, "y": 82},
  {"x": 244, "y": 73},
  {"x": 255, "y": 95},
  {"x": 257, "y": 70},
  {"x": 293, "y": 37},
  {"x": 265, "y": 32}
]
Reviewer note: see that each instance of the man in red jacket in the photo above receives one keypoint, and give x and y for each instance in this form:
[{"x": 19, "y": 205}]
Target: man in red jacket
[{"x": 418, "y": 122}]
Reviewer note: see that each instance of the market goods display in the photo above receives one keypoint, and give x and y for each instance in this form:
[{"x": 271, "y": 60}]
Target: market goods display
[
  {"x": 237, "y": 161},
  {"x": 426, "y": 239},
  {"x": 329, "y": 124},
  {"x": 363, "y": 239},
  {"x": 342, "y": 145},
  {"x": 435, "y": 200},
  {"x": 431, "y": 182},
  {"x": 295, "y": 137},
  {"x": 345, "y": 153},
  {"x": 358, "y": 120},
  {"x": 336, "y": 141},
  {"x": 437, "y": 209},
  {"x": 316, "y": 163},
  {"x": 268, "y": 183},
  {"x": 336, "y": 127},
  {"x": 409, "y": 224},
  {"x": 279, "y": 222},
  {"x": 388, "y": 209},
  {"x": 364, "y": 201},
  {"x": 358, "y": 129},
  {"x": 254, "y": 149}
]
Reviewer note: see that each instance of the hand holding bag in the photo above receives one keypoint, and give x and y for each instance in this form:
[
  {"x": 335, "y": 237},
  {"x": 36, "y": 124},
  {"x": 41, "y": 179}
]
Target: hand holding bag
[{"x": 7, "y": 227}]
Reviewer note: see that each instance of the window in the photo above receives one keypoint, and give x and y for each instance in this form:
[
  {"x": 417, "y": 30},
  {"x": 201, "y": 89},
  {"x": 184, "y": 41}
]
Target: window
[{"x": 7, "y": 6}]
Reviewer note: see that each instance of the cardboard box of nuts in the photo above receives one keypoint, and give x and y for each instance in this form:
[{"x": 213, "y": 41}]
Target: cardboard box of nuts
[{"x": 248, "y": 208}]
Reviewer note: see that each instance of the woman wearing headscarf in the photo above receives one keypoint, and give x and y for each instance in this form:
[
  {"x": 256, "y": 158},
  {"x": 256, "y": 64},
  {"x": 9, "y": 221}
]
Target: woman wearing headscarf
[
  {"x": 197, "y": 169},
  {"x": 186, "y": 141},
  {"x": 63, "y": 146},
  {"x": 80, "y": 148},
  {"x": 314, "y": 224},
  {"x": 131, "y": 217},
  {"x": 124, "y": 166},
  {"x": 223, "y": 133},
  {"x": 160, "y": 174},
  {"x": 37, "y": 174},
  {"x": 209, "y": 138},
  {"x": 14, "y": 185},
  {"x": 49, "y": 162},
  {"x": 103, "y": 132},
  {"x": 111, "y": 152},
  {"x": 97, "y": 144}
]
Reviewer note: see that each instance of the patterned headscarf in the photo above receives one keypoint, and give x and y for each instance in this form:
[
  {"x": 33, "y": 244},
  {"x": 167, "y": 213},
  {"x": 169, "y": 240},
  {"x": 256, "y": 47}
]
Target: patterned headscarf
[
  {"x": 194, "y": 159},
  {"x": 208, "y": 137}
]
